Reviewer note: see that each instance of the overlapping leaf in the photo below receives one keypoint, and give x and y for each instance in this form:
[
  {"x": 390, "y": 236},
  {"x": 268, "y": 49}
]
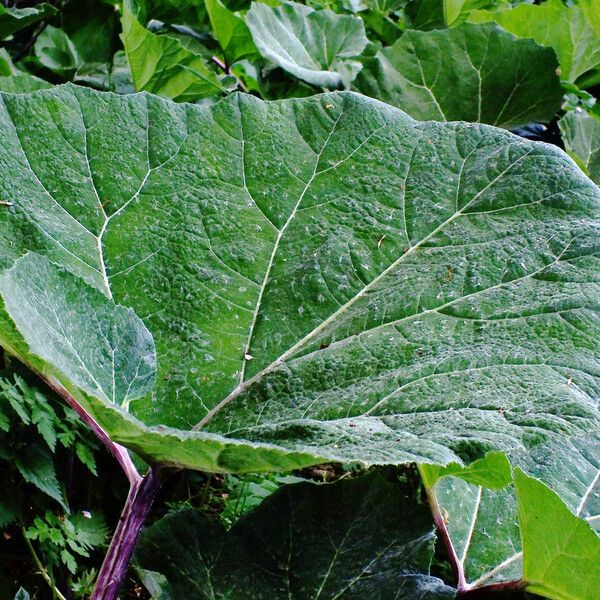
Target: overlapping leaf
[
  {"x": 324, "y": 279},
  {"x": 363, "y": 538},
  {"x": 486, "y": 526},
  {"x": 162, "y": 65},
  {"x": 317, "y": 46},
  {"x": 565, "y": 28},
  {"x": 471, "y": 73},
  {"x": 14, "y": 19},
  {"x": 231, "y": 32},
  {"x": 561, "y": 553}
]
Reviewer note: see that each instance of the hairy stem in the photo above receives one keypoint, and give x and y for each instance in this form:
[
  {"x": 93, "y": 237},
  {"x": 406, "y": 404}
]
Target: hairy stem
[
  {"x": 42, "y": 571},
  {"x": 137, "y": 507}
]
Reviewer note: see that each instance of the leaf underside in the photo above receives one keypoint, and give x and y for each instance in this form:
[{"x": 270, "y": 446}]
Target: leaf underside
[
  {"x": 484, "y": 524},
  {"x": 314, "y": 45},
  {"x": 324, "y": 278}
]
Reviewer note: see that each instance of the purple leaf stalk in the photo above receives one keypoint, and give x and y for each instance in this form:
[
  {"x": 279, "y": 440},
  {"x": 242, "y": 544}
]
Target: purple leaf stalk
[
  {"x": 137, "y": 507},
  {"x": 142, "y": 493}
]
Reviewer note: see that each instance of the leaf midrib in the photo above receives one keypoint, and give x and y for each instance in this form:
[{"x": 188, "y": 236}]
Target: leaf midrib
[
  {"x": 312, "y": 334},
  {"x": 277, "y": 242}
]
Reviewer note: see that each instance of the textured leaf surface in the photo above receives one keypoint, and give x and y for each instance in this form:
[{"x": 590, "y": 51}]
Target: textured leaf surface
[
  {"x": 22, "y": 83},
  {"x": 363, "y": 538},
  {"x": 324, "y": 279},
  {"x": 581, "y": 134},
  {"x": 475, "y": 73},
  {"x": 565, "y": 28},
  {"x": 161, "y": 65},
  {"x": 561, "y": 553},
  {"x": 314, "y": 45},
  {"x": 103, "y": 349}
]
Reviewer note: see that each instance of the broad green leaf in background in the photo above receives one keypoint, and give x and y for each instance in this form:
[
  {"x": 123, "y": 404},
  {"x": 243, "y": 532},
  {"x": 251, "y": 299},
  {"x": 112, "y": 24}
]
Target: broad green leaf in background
[
  {"x": 378, "y": 17},
  {"x": 358, "y": 538},
  {"x": 56, "y": 52},
  {"x": 475, "y": 73},
  {"x": 160, "y": 64},
  {"x": 15, "y": 81},
  {"x": 565, "y": 28},
  {"x": 581, "y": 134},
  {"x": 591, "y": 8},
  {"x": 14, "y": 19},
  {"x": 426, "y": 15},
  {"x": 437, "y": 14},
  {"x": 377, "y": 290},
  {"x": 231, "y": 32},
  {"x": 317, "y": 46},
  {"x": 561, "y": 553},
  {"x": 93, "y": 29},
  {"x": 188, "y": 12}
]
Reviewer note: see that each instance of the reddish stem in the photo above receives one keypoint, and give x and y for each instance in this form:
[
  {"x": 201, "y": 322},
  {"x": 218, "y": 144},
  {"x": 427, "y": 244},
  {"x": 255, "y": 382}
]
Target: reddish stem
[
  {"x": 119, "y": 452},
  {"x": 438, "y": 519},
  {"x": 137, "y": 507},
  {"x": 464, "y": 589},
  {"x": 484, "y": 591}
]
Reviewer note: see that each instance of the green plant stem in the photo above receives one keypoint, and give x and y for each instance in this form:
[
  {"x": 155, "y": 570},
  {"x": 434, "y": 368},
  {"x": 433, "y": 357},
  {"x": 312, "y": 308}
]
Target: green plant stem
[{"x": 42, "y": 571}]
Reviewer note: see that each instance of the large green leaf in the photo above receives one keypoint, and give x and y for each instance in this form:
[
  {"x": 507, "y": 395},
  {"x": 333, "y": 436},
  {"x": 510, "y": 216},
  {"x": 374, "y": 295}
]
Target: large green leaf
[
  {"x": 581, "y": 134},
  {"x": 475, "y": 73},
  {"x": 14, "y": 19},
  {"x": 160, "y": 64},
  {"x": 317, "y": 46},
  {"x": 324, "y": 278},
  {"x": 561, "y": 553},
  {"x": 306, "y": 541},
  {"x": 563, "y": 27}
]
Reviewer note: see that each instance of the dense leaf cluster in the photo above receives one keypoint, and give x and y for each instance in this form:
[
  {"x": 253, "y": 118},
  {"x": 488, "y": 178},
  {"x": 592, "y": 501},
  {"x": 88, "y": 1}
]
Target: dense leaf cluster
[{"x": 237, "y": 273}]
